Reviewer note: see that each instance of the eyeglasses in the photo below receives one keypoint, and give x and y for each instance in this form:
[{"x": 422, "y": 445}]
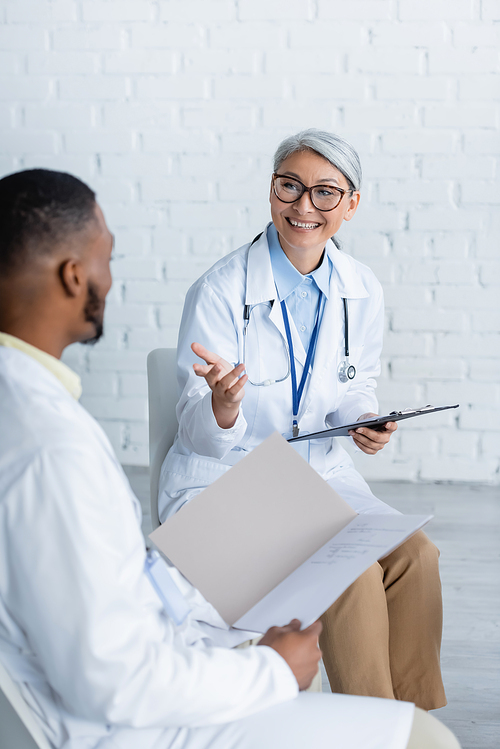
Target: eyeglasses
[{"x": 323, "y": 197}]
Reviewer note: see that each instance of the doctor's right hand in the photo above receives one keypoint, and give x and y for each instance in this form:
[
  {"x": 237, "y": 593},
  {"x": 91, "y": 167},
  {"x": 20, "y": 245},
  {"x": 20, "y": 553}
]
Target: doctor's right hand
[
  {"x": 225, "y": 383},
  {"x": 299, "y": 649}
]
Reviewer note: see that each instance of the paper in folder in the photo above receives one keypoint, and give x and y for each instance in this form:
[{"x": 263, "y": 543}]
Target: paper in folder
[
  {"x": 270, "y": 540},
  {"x": 378, "y": 423}
]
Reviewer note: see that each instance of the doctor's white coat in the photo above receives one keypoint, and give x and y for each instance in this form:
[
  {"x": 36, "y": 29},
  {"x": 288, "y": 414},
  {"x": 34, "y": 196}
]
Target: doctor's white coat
[
  {"x": 82, "y": 631},
  {"x": 213, "y": 316}
]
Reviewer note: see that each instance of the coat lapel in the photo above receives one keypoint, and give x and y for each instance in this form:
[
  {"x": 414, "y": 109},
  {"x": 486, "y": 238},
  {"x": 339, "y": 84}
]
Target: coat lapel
[{"x": 276, "y": 317}]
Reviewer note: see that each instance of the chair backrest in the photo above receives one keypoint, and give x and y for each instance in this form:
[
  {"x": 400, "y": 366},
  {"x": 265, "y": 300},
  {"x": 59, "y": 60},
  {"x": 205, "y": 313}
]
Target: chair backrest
[
  {"x": 162, "y": 397},
  {"x": 18, "y": 724}
]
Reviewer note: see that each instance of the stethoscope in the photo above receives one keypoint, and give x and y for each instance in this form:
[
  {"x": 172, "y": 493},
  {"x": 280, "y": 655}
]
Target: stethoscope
[
  {"x": 247, "y": 311},
  {"x": 345, "y": 372}
]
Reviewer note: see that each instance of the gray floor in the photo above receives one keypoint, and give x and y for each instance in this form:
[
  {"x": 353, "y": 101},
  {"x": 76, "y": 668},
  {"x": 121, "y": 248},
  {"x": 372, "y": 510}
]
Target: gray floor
[{"x": 466, "y": 528}]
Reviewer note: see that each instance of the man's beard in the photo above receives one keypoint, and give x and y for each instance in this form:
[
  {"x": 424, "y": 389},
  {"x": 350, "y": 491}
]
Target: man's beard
[{"x": 93, "y": 314}]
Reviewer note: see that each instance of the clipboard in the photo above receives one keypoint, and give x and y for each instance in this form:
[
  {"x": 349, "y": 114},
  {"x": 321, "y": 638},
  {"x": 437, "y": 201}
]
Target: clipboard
[{"x": 378, "y": 423}]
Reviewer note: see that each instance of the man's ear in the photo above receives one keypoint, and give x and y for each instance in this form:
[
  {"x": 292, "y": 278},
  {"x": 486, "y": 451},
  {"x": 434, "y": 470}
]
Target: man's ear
[{"x": 72, "y": 277}]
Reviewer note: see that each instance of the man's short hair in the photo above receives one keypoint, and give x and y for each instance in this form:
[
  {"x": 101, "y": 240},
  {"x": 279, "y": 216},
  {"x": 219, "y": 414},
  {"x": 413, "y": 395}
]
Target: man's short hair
[{"x": 39, "y": 209}]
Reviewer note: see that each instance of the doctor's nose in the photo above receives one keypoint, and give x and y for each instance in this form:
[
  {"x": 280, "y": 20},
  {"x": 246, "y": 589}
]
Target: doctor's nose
[{"x": 304, "y": 204}]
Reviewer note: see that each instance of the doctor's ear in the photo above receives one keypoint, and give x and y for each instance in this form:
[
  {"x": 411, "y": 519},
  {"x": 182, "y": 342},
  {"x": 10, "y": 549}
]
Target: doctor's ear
[
  {"x": 72, "y": 277},
  {"x": 352, "y": 206}
]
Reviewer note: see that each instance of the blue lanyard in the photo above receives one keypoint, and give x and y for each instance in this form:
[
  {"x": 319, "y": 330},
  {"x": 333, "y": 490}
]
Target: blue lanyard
[{"x": 297, "y": 392}]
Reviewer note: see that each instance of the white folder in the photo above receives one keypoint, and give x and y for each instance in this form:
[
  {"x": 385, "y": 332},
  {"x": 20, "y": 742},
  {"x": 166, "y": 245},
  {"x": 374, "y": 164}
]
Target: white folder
[{"x": 270, "y": 540}]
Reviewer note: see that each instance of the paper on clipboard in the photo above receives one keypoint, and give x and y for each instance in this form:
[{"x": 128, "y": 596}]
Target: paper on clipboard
[
  {"x": 312, "y": 588},
  {"x": 377, "y": 422}
]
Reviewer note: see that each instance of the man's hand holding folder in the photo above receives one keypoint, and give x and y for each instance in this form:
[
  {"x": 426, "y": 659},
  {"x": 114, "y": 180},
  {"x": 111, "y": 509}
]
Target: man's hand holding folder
[{"x": 300, "y": 649}]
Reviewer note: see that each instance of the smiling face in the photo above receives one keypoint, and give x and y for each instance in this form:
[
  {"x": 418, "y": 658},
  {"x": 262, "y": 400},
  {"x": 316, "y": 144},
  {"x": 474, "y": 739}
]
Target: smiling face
[{"x": 303, "y": 230}]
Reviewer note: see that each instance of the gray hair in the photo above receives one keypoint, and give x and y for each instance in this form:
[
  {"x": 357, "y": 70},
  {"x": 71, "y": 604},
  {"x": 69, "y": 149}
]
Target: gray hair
[{"x": 331, "y": 147}]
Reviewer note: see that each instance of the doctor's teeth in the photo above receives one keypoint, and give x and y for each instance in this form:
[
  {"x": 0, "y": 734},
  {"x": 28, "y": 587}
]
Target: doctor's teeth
[{"x": 301, "y": 225}]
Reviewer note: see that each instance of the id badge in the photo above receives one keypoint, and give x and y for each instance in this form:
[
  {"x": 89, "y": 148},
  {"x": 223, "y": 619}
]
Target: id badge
[
  {"x": 303, "y": 448},
  {"x": 167, "y": 591}
]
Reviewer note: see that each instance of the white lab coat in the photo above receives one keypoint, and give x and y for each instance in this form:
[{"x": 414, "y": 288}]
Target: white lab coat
[
  {"x": 213, "y": 316},
  {"x": 81, "y": 629}
]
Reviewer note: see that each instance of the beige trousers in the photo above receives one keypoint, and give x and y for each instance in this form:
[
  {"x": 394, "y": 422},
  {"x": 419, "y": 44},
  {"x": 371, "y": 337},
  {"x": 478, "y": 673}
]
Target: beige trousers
[{"x": 382, "y": 637}]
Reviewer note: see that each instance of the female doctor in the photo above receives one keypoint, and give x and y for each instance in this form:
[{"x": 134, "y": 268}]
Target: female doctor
[{"x": 290, "y": 332}]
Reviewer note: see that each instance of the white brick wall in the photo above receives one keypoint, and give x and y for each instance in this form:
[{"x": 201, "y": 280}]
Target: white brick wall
[{"x": 158, "y": 102}]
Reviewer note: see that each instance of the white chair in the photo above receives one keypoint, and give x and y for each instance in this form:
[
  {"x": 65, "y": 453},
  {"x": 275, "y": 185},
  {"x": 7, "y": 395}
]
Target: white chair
[
  {"x": 162, "y": 398},
  {"x": 19, "y": 729}
]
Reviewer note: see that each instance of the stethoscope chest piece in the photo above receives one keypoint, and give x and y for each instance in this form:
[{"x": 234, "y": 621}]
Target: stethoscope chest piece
[{"x": 346, "y": 371}]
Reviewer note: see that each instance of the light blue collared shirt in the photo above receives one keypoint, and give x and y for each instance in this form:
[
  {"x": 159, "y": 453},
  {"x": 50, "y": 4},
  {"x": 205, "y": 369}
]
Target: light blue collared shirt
[{"x": 302, "y": 293}]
